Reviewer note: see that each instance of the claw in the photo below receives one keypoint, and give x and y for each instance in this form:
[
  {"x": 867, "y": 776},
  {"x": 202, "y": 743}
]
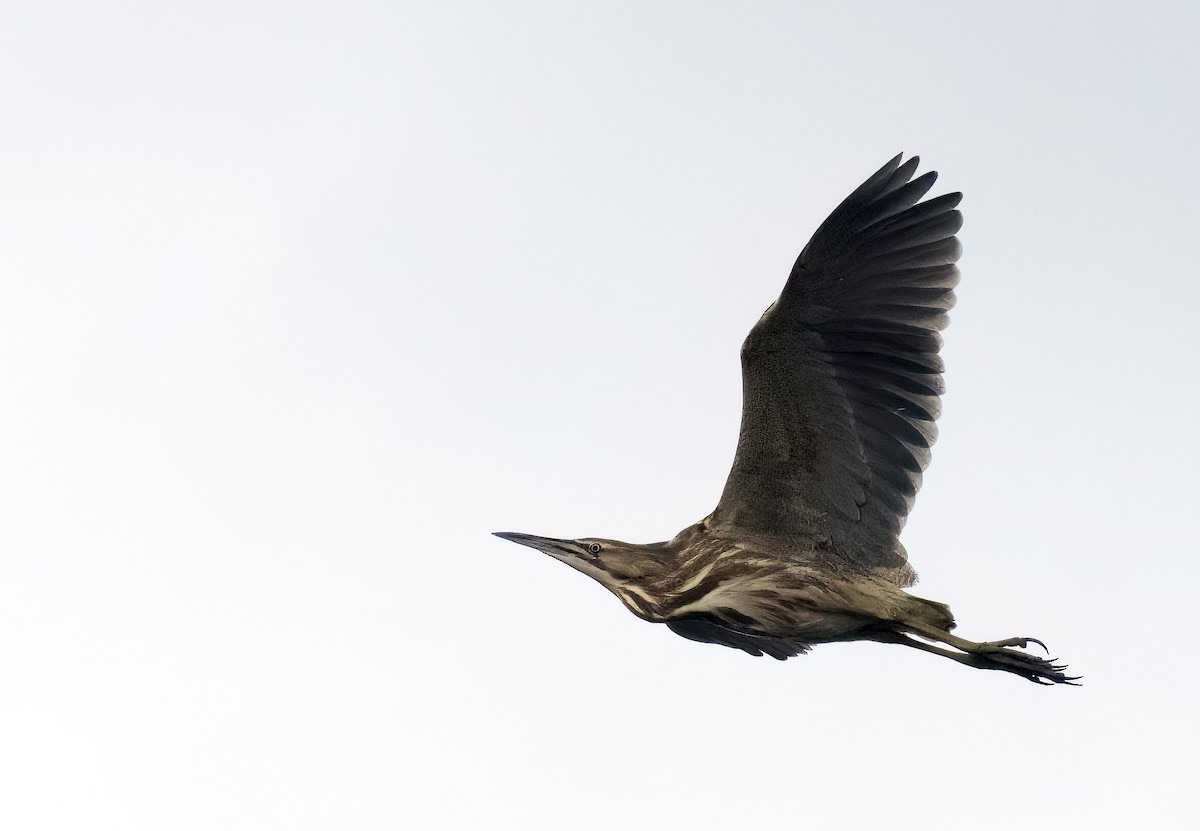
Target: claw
[
  {"x": 1020, "y": 643},
  {"x": 1042, "y": 671}
]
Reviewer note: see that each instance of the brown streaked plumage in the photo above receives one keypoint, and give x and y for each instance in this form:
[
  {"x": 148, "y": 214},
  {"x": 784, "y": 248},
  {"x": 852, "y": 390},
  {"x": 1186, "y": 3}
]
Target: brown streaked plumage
[{"x": 841, "y": 391}]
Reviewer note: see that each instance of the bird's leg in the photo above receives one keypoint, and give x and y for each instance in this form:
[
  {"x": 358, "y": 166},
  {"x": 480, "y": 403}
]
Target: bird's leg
[
  {"x": 905, "y": 640},
  {"x": 933, "y": 633},
  {"x": 990, "y": 654}
]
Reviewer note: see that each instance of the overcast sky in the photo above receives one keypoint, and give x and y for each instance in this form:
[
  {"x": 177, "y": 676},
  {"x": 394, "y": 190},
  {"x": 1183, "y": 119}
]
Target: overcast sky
[{"x": 299, "y": 301}]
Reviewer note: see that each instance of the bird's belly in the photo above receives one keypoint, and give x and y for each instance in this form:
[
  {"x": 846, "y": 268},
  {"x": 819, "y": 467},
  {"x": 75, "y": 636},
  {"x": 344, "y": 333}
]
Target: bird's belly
[
  {"x": 798, "y": 611},
  {"x": 809, "y": 626}
]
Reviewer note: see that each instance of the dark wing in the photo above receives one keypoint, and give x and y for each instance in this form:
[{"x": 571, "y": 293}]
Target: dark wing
[
  {"x": 841, "y": 377},
  {"x": 706, "y": 631}
]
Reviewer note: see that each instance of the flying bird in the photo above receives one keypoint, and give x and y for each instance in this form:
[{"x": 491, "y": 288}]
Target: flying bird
[{"x": 841, "y": 386}]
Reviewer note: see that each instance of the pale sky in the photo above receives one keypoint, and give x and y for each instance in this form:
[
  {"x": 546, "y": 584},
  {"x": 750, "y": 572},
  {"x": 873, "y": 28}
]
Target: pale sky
[{"x": 300, "y": 301}]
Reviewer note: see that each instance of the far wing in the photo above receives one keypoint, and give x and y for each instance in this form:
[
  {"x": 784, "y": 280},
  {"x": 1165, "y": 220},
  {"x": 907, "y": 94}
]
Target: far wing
[
  {"x": 841, "y": 376},
  {"x": 707, "y": 631}
]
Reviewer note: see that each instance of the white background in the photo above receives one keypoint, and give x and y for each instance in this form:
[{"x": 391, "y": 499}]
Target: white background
[{"x": 299, "y": 301}]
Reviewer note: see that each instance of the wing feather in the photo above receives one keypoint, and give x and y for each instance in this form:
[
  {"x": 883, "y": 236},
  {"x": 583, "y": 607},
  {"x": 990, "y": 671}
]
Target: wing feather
[{"x": 842, "y": 379}]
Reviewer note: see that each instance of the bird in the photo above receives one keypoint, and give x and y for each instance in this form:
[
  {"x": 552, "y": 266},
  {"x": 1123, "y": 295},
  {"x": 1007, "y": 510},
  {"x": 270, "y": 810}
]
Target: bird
[{"x": 841, "y": 391}]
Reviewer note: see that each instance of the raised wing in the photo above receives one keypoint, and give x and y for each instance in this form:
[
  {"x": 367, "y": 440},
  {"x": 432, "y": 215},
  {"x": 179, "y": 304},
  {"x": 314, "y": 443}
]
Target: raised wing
[{"x": 841, "y": 377}]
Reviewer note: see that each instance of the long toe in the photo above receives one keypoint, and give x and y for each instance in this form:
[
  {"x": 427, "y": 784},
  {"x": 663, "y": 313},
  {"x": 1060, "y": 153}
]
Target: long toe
[
  {"x": 1029, "y": 667},
  {"x": 1018, "y": 642}
]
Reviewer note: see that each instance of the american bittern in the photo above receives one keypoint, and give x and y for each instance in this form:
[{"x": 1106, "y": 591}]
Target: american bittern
[{"x": 841, "y": 383}]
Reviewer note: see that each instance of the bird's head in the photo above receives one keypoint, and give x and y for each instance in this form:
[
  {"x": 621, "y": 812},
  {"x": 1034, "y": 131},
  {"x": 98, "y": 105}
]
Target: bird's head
[{"x": 626, "y": 569}]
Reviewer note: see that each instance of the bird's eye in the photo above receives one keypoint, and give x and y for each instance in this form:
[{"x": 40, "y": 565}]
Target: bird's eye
[{"x": 594, "y": 548}]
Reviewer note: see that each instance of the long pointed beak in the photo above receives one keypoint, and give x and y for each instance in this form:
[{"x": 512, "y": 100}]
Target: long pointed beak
[{"x": 547, "y": 545}]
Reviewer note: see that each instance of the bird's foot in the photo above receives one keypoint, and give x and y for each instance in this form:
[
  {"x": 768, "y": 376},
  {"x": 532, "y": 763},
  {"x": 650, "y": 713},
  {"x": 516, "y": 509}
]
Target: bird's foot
[
  {"x": 1004, "y": 655},
  {"x": 1001, "y": 655},
  {"x": 1023, "y": 643}
]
